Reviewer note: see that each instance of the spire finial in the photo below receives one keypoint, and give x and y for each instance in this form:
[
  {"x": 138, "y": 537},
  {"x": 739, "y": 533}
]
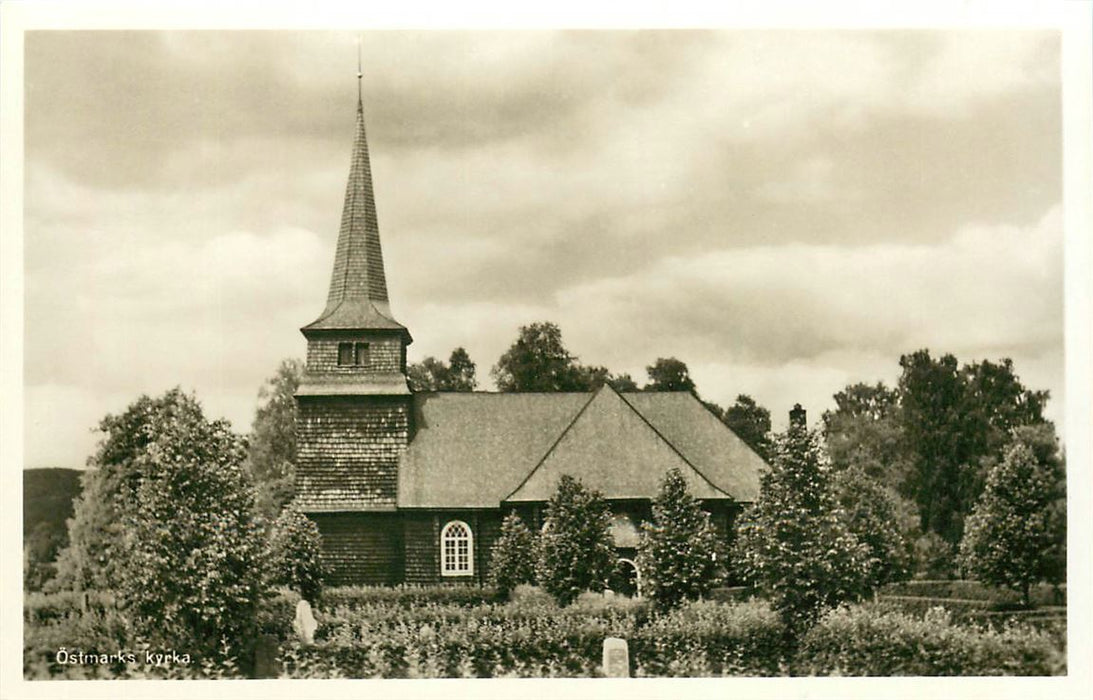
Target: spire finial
[{"x": 359, "y": 73}]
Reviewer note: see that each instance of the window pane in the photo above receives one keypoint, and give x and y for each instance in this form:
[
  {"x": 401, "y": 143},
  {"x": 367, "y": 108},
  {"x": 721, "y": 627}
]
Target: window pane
[
  {"x": 345, "y": 353},
  {"x": 361, "y": 354}
]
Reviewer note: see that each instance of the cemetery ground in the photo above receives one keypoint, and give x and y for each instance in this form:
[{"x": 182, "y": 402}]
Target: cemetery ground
[{"x": 918, "y": 628}]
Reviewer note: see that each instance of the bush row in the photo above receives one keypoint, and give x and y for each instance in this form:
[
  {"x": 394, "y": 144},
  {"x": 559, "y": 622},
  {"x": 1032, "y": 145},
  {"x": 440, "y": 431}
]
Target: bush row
[
  {"x": 532, "y": 637},
  {"x": 43, "y": 608},
  {"x": 869, "y": 640},
  {"x": 407, "y": 596},
  {"x": 1041, "y": 594}
]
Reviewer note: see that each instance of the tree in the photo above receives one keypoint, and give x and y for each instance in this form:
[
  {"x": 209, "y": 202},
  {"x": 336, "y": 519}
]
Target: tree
[
  {"x": 166, "y": 520},
  {"x": 793, "y": 544},
  {"x": 678, "y": 551},
  {"x": 189, "y": 569},
  {"x": 669, "y": 374},
  {"x": 1012, "y": 538},
  {"x": 622, "y": 382},
  {"x": 433, "y": 375},
  {"x": 865, "y": 432},
  {"x": 872, "y": 513},
  {"x": 98, "y": 527},
  {"x": 513, "y": 557},
  {"x": 271, "y": 452},
  {"x": 539, "y": 361},
  {"x": 294, "y": 554},
  {"x": 751, "y": 423},
  {"x": 954, "y": 423},
  {"x": 575, "y": 548}
]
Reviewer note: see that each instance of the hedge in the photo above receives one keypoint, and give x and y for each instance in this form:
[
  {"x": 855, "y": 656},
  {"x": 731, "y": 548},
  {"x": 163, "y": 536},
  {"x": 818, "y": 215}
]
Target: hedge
[
  {"x": 868, "y": 640},
  {"x": 407, "y": 596},
  {"x": 1041, "y": 594}
]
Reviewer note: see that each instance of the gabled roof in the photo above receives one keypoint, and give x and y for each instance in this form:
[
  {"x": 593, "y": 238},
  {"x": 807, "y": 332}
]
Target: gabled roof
[
  {"x": 615, "y": 450},
  {"x": 470, "y": 450},
  {"x": 358, "y": 285},
  {"x": 477, "y": 450}
]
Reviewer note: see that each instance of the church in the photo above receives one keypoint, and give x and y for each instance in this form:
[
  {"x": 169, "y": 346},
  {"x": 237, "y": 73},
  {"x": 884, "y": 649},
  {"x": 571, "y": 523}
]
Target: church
[{"x": 411, "y": 487}]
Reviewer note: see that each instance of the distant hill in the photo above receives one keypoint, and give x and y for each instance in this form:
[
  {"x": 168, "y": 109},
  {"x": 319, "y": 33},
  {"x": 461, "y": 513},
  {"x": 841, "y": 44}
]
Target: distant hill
[{"x": 48, "y": 496}]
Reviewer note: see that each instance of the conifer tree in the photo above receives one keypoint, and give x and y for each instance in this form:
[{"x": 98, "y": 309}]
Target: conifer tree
[
  {"x": 679, "y": 548},
  {"x": 513, "y": 557},
  {"x": 793, "y": 544}
]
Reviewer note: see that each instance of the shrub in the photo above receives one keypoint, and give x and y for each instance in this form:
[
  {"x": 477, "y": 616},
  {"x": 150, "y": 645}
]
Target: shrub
[
  {"x": 575, "y": 552},
  {"x": 294, "y": 554},
  {"x": 934, "y": 557},
  {"x": 704, "y": 638},
  {"x": 406, "y": 596},
  {"x": 678, "y": 550},
  {"x": 512, "y": 559},
  {"x": 870, "y": 641}
]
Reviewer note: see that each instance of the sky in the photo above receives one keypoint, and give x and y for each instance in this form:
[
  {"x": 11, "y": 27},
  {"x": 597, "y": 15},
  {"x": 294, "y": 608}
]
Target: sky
[{"x": 786, "y": 211}]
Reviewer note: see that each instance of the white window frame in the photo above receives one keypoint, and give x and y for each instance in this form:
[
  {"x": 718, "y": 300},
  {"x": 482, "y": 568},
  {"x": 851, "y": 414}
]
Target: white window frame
[{"x": 447, "y": 554}]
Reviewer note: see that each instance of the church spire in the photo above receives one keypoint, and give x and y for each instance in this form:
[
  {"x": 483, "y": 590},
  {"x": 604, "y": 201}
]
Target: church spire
[{"x": 358, "y": 285}]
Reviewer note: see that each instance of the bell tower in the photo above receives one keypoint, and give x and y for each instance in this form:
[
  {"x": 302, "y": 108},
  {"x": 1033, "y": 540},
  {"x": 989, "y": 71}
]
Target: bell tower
[{"x": 354, "y": 400}]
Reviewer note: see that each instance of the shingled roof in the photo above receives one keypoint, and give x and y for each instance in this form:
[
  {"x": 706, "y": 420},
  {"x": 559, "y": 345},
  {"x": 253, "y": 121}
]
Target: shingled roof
[
  {"x": 358, "y": 286},
  {"x": 477, "y": 450}
]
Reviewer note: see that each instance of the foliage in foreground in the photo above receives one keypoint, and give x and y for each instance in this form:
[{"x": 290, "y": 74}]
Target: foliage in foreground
[
  {"x": 398, "y": 633},
  {"x": 512, "y": 559},
  {"x": 793, "y": 544},
  {"x": 575, "y": 548},
  {"x": 679, "y": 548},
  {"x": 166, "y": 520},
  {"x": 294, "y": 554}
]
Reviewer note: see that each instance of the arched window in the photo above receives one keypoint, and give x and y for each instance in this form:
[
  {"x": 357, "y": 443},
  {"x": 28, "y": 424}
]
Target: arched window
[{"x": 456, "y": 549}]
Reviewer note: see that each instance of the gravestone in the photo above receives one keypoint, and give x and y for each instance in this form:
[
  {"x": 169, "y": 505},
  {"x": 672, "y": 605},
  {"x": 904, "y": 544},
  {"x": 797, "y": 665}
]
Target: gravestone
[
  {"x": 616, "y": 658},
  {"x": 265, "y": 657},
  {"x": 304, "y": 624}
]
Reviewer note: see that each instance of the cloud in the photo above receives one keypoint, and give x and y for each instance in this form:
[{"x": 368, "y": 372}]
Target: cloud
[{"x": 987, "y": 288}]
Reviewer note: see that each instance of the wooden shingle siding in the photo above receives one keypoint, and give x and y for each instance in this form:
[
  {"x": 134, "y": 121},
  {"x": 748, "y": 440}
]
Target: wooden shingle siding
[
  {"x": 361, "y": 548},
  {"x": 422, "y": 537},
  {"x": 348, "y": 450},
  {"x": 385, "y": 354}
]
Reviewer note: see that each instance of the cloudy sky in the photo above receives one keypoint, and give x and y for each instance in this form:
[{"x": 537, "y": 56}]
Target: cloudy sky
[{"x": 787, "y": 212}]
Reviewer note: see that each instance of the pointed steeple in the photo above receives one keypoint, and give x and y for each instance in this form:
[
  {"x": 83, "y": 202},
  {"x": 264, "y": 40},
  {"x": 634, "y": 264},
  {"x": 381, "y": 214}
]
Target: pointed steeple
[{"x": 358, "y": 286}]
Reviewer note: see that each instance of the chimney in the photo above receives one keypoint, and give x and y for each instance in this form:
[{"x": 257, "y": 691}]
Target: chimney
[{"x": 798, "y": 417}]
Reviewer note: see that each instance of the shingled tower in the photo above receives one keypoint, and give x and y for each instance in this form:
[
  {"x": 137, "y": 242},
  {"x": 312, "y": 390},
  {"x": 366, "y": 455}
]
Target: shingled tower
[{"x": 354, "y": 401}]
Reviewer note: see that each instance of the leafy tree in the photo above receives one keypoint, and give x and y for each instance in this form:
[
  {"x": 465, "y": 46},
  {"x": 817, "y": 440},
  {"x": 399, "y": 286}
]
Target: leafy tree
[
  {"x": 513, "y": 557},
  {"x": 190, "y": 567},
  {"x": 793, "y": 543},
  {"x": 539, "y": 361},
  {"x": 751, "y": 423},
  {"x": 669, "y": 374},
  {"x": 1012, "y": 538},
  {"x": 271, "y": 453},
  {"x": 865, "y": 432},
  {"x": 294, "y": 555},
  {"x": 872, "y": 513},
  {"x": 954, "y": 422},
  {"x": 575, "y": 548},
  {"x": 622, "y": 382},
  {"x": 679, "y": 548},
  {"x": 433, "y": 375},
  {"x": 97, "y": 530}
]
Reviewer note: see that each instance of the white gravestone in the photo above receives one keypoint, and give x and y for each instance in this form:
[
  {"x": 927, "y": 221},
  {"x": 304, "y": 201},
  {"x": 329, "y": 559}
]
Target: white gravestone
[
  {"x": 304, "y": 624},
  {"x": 616, "y": 658}
]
